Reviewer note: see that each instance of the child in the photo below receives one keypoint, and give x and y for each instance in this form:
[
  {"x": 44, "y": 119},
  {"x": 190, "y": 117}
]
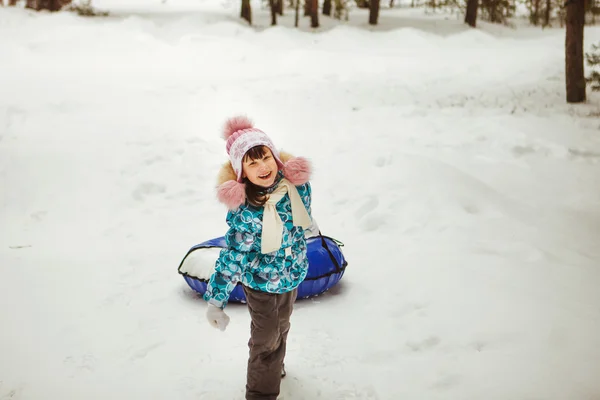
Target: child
[{"x": 269, "y": 201}]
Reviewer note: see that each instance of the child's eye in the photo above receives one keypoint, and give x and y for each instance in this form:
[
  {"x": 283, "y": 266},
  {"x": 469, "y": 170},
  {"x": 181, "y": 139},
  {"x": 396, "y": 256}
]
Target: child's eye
[
  {"x": 252, "y": 163},
  {"x": 267, "y": 157}
]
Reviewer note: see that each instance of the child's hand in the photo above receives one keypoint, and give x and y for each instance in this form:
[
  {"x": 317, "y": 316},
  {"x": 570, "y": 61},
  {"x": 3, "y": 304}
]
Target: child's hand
[{"x": 217, "y": 317}]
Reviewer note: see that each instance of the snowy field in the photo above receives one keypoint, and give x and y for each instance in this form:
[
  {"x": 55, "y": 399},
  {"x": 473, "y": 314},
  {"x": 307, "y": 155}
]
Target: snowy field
[{"x": 465, "y": 189}]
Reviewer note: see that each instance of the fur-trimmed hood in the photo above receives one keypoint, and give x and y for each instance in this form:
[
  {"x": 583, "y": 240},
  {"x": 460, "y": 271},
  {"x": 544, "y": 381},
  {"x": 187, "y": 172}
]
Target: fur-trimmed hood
[{"x": 232, "y": 193}]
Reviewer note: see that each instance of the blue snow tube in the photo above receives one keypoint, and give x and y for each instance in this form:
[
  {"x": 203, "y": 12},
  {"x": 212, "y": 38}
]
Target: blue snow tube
[{"x": 326, "y": 266}]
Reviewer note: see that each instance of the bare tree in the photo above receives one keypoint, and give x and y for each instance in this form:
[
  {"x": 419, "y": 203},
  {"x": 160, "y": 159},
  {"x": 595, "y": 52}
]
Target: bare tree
[
  {"x": 12, "y": 3},
  {"x": 327, "y": 7},
  {"x": 50, "y": 5},
  {"x": 273, "y": 7},
  {"x": 246, "y": 11},
  {"x": 547, "y": 12},
  {"x": 374, "y": 12},
  {"x": 471, "y": 15},
  {"x": 314, "y": 13},
  {"x": 297, "y": 17},
  {"x": 574, "y": 67}
]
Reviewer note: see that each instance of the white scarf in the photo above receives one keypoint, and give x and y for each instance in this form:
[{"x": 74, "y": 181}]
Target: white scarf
[{"x": 272, "y": 231}]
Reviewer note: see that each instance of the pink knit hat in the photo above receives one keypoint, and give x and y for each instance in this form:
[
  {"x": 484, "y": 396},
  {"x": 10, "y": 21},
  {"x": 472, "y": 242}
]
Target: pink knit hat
[{"x": 241, "y": 136}]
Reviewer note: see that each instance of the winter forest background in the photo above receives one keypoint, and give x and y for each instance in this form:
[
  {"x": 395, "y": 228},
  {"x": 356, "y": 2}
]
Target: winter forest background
[{"x": 456, "y": 152}]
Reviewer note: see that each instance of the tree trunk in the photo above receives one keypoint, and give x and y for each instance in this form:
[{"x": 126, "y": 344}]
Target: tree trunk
[
  {"x": 391, "y": 3},
  {"x": 246, "y": 12},
  {"x": 50, "y": 5},
  {"x": 471, "y": 16},
  {"x": 574, "y": 67},
  {"x": 314, "y": 13},
  {"x": 327, "y": 7},
  {"x": 374, "y": 12},
  {"x": 297, "y": 17},
  {"x": 280, "y": 7},
  {"x": 273, "y": 7},
  {"x": 307, "y": 6},
  {"x": 535, "y": 12},
  {"x": 12, "y": 3},
  {"x": 547, "y": 12}
]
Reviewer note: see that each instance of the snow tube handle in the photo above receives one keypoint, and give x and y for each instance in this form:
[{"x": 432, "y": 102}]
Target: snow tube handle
[{"x": 335, "y": 262}]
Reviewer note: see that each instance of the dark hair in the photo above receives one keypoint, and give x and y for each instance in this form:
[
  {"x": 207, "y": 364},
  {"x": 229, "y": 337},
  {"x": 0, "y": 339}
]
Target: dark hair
[{"x": 255, "y": 194}]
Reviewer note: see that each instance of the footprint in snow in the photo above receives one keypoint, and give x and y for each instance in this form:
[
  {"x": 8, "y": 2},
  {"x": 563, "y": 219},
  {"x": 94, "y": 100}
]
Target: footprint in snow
[
  {"x": 373, "y": 221},
  {"x": 38, "y": 215},
  {"x": 369, "y": 219},
  {"x": 142, "y": 353},
  {"x": 369, "y": 205},
  {"x": 383, "y": 161},
  {"x": 406, "y": 309},
  {"x": 183, "y": 194},
  {"x": 195, "y": 139},
  {"x": 446, "y": 382},
  {"x": 11, "y": 394},
  {"x": 82, "y": 363},
  {"x": 426, "y": 344},
  {"x": 148, "y": 189},
  {"x": 154, "y": 160}
]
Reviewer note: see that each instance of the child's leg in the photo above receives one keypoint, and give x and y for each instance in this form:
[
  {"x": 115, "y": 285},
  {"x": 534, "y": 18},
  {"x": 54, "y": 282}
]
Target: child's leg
[
  {"x": 286, "y": 306},
  {"x": 266, "y": 346}
]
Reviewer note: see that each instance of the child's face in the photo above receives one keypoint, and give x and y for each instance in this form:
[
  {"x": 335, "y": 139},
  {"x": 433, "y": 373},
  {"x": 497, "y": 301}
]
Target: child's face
[{"x": 261, "y": 171}]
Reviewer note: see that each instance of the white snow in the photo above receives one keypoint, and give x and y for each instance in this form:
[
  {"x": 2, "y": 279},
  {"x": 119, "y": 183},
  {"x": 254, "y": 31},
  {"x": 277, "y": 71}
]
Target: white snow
[{"x": 465, "y": 189}]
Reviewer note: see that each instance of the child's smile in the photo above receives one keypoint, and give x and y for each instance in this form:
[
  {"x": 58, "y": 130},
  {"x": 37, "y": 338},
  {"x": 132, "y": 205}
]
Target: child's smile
[{"x": 261, "y": 171}]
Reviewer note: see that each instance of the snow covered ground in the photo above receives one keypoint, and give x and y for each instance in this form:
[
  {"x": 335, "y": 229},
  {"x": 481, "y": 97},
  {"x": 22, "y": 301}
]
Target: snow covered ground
[{"x": 466, "y": 191}]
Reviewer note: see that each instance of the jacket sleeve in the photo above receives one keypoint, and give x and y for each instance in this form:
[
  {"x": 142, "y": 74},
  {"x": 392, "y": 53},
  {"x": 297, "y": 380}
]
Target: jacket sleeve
[
  {"x": 305, "y": 192},
  {"x": 233, "y": 260}
]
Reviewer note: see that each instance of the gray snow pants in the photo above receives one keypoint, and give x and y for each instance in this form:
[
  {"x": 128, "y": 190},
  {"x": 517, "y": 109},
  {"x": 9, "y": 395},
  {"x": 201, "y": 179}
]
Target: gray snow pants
[{"x": 270, "y": 315}]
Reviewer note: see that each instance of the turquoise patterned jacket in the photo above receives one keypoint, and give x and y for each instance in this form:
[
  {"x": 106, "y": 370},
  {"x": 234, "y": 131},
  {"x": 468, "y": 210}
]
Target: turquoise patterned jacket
[{"x": 277, "y": 272}]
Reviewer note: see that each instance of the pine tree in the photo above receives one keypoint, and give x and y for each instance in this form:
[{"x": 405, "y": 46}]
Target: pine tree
[
  {"x": 593, "y": 60},
  {"x": 340, "y": 7}
]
